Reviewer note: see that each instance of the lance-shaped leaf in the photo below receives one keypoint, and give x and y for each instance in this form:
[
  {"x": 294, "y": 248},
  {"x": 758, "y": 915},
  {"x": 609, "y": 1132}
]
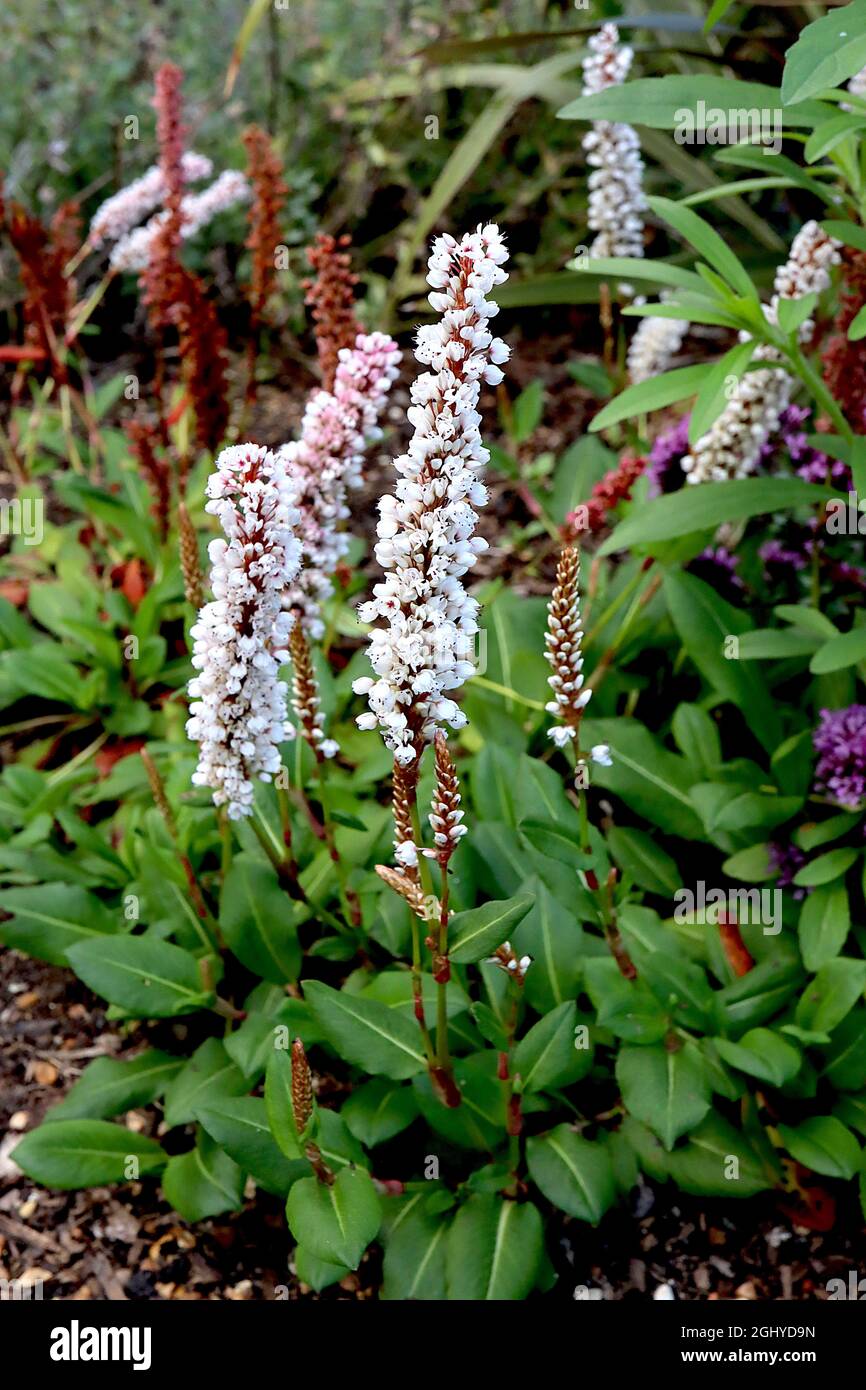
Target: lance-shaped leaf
[
  {"x": 366, "y": 1033},
  {"x": 476, "y": 933}
]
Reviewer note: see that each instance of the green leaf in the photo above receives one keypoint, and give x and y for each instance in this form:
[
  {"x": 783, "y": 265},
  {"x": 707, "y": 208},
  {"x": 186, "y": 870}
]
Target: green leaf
[
  {"x": 825, "y": 920},
  {"x": 826, "y": 868},
  {"x": 494, "y": 1250},
  {"x": 638, "y": 855},
  {"x": 654, "y": 394},
  {"x": 146, "y": 978},
  {"x": 826, "y": 54},
  {"x": 378, "y": 1110},
  {"x": 651, "y": 781},
  {"x": 626, "y": 1007},
  {"x": 840, "y": 652},
  {"x": 659, "y": 101},
  {"x": 110, "y": 1086},
  {"x": 705, "y": 623},
  {"x": 763, "y": 1054},
  {"x": 697, "y": 738},
  {"x": 824, "y": 1145},
  {"x": 48, "y": 919},
  {"x": 678, "y": 983},
  {"x": 239, "y": 1125},
  {"x": 209, "y": 1075},
  {"x": 750, "y": 865},
  {"x": 714, "y": 392},
  {"x": 259, "y": 922},
  {"x": 703, "y": 508},
  {"x": 574, "y": 1174},
  {"x": 776, "y": 644},
  {"x": 526, "y": 412},
  {"x": 707, "y": 242},
  {"x": 278, "y": 1103},
  {"x": 845, "y": 1058},
  {"x": 335, "y": 1222},
  {"x": 368, "y": 1034},
  {"x": 478, "y": 1122},
  {"x": 816, "y": 833},
  {"x": 667, "y": 1090},
  {"x": 414, "y": 1266},
  {"x": 832, "y": 994},
  {"x": 476, "y": 933},
  {"x": 319, "y": 1274},
  {"x": 552, "y": 935},
  {"x": 203, "y": 1182},
  {"x": 86, "y": 1153},
  {"x": 703, "y": 1164},
  {"x": 548, "y": 1055}
]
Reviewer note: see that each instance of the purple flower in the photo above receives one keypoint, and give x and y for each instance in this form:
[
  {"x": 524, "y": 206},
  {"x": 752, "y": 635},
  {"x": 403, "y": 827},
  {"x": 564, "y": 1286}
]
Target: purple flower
[
  {"x": 840, "y": 739},
  {"x": 718, "y": 567},
  {"x": 774, "y": 553},
  {"x": 814, "y": 467},
  {"x": 786, "y": 860},
  {"x": 666, "y": 455}
]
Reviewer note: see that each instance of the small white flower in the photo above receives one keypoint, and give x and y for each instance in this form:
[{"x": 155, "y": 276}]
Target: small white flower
[
  {"x": 561, "y": 734},
  {"x": 424, "y": 650},
  {"x": 238, "y": 709},
  {"x": 406, "y": 853},
  {"x": 120, "y": 213},
  {"x": 732, "y": 446},
  {"x": 600, "y": 753},
  {"x": 616, "y": 197},
  {"x": 132, "y": 252},
  {"x": 325, "y": 463}
]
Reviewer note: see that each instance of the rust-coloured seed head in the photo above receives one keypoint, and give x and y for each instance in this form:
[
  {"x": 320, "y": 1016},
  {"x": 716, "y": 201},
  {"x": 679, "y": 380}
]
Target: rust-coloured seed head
[
  {"x": 203, "y": 352},
  {"x": 193, "y": 579},
  {"x": 445, "y": 812},
  {"x": 407, "y": 888},
  {"x": 403, "y": 795},
  {"x": 144, "y": 440},
  {"x": 302, "y": 1087},
  {"x": 305, "y": 691},
  {"x": 157, "y": 787},
  {"x": 265, "y": 174},
  {"x": 332, "y": 299}
]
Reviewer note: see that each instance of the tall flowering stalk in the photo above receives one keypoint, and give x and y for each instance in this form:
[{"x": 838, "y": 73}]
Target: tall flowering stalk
[
  {"x": 426, "y": 528},
  {"x": 42, "y": 254},
  {"x": 238, "y": 714},
  {"x": 160, "y": 274},
  {"x": 563, "y": 643},
  {"x": 734, "y": 444},
  {"x": 331, "y": 296},
  {"x": 616, "y": 197},
  {"x": 325, "y": 463},
  {"x": 269, "y": 189}
]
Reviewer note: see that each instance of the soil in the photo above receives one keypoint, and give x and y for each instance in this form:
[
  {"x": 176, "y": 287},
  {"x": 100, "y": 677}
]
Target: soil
[{"x": 126, "y": 1243}]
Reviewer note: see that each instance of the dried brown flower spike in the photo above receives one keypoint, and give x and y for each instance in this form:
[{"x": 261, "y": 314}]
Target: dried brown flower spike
[
  {"x": 265, "y": 173},
  {"x": 193, "y": 579},
  {"x": 331, "y": 295}
]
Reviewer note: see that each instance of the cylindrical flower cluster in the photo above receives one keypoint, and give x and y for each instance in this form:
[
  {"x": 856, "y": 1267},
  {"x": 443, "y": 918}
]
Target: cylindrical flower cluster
[
  {"x": 132, "y": 252},
  {"x": 563, "y": 643},
  {"x": 426, "y": 529},
  {"x": 616, "y": 197},
  {"x": 238, "y": 714},
  {"x": 733, "y": 446},
  {"x": 326, "y": 461},
  {"x": 654, "y": 346},
  {"x": 125, "y": 209}
]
